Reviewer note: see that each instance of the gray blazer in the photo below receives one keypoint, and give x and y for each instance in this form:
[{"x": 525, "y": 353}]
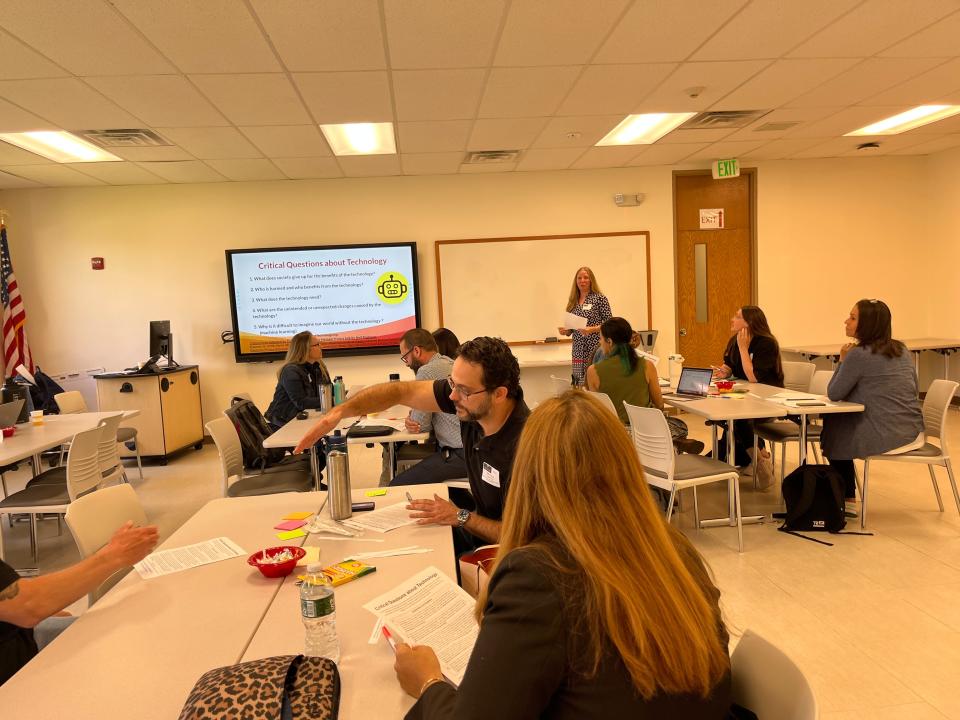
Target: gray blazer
[{"x": 887, "y": 388}]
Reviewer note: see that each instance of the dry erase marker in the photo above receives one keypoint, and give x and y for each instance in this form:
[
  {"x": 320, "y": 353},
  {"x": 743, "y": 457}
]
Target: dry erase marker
[{"x": 389, "y": 637}]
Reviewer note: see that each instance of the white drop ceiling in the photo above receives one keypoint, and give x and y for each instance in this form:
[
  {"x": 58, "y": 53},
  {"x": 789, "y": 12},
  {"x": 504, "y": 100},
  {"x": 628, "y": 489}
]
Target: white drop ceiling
[{"x": 238, "y": 87}]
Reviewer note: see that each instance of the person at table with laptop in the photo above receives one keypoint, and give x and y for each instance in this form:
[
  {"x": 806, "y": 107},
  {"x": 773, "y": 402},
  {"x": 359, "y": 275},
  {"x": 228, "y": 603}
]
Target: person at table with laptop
[
  {"x": 442, "y": 459},
  {"x": 753, "y": 354},
  {"x": 484, "y": 391},
  {"x": 299, "y": 380},
  {"x": 876, "y": 371},
  {"x": 596, "y": 607}
]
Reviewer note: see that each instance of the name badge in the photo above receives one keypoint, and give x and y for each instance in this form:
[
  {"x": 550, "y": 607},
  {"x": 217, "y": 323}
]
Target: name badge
[
  {"x": 588, "y": 306},
  {"x": 491, "y": 475}
]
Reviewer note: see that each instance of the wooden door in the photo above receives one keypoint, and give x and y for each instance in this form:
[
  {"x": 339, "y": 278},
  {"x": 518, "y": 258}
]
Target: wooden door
[
  {"x": 726, "y": 277},
  {"x": 180, "y": 396}
]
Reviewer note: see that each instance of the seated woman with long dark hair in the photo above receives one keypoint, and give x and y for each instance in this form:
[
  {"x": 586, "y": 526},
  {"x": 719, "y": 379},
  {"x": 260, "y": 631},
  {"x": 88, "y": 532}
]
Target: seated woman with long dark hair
[
  {"x": 877, "y": 372},
  {"x": 596, "y": 608},
  {"x": 622, "y": 374},
  {"x": 299, "y": 380}
]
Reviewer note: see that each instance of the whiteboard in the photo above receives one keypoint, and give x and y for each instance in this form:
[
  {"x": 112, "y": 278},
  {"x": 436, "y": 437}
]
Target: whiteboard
[{"x": 517, "y": 288}]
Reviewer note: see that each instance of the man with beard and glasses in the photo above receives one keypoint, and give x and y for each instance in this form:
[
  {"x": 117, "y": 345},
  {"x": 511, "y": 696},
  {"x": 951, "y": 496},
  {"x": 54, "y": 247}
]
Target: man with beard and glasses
[{"x": 484, "y": 392}]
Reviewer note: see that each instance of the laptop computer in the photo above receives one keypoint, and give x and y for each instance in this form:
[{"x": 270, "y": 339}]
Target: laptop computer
[
  {"x": 9, "y": 412},
  {"x": 694, "y": 384}
]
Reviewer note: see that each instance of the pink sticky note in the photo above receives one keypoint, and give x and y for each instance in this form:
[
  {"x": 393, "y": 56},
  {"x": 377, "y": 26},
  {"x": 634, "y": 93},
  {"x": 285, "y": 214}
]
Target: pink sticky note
[{"x": 290, "y": 525}]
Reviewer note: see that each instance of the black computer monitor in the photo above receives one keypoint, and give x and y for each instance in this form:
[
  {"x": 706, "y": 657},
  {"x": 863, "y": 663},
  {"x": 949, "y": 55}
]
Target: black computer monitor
[{"x": 161, "y": 341}]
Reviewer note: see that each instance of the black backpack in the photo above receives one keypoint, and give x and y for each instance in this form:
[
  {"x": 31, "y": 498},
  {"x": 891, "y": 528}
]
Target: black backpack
[
  {"x": 814, "y": 498},
  {"x": 253, "y": 429}
]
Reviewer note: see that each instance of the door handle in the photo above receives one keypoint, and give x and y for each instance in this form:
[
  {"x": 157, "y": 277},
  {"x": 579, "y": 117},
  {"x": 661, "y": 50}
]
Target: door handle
[{"x": 683, "y": 332}]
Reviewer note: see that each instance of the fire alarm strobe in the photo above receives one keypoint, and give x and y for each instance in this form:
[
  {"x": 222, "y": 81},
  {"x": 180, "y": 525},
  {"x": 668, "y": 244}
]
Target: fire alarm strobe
[{"x": 96, "y": 263}]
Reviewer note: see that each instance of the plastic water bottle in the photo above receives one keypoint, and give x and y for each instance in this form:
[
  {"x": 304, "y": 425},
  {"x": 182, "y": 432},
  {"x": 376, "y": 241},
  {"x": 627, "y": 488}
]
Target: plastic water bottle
[
  {"x": 338, "y": 390},
  {"x": 319, "y": 613}
]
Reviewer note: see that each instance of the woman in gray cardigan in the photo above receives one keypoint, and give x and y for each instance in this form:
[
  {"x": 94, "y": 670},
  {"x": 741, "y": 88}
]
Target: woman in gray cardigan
[{"x": 875, "y": 371}]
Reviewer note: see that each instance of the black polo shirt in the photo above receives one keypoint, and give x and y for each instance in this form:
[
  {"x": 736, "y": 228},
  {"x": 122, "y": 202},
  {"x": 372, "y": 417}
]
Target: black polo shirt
[
  {"x": 489, "y": 459},
  {"x": 17, "y": 645}
]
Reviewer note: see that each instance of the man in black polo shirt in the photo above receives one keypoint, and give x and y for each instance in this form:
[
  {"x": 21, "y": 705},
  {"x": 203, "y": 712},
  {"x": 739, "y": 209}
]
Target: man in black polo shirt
[{"x": 484, "y": 391}]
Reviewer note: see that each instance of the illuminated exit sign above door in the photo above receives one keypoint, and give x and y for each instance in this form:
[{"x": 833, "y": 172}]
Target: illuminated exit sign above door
[{"x": 725, "y": 169}]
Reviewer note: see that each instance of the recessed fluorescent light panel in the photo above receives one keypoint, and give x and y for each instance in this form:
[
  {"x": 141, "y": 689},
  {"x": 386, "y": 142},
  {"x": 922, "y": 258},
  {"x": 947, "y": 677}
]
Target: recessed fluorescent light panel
[
  {"x": 59, "y": 146},
  {"x": 913, "y": 118},
  {"x": 644, "y": 129},
  {"x": 360, "y": 138}
]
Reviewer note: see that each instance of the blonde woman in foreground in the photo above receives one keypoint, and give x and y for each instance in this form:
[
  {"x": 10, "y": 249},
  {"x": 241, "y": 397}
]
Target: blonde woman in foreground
[{"x": 596, "y": 608}]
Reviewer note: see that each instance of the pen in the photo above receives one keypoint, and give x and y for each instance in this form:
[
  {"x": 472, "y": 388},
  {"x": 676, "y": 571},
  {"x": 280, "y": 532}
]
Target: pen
[
  {"x": 409, "y": 497},
  {"x": 389, "y": 637}
]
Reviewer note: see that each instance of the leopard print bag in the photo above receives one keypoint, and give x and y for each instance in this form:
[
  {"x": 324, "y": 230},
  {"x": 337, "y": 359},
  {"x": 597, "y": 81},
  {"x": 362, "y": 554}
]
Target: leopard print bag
[{"x": 286, "y": 686}]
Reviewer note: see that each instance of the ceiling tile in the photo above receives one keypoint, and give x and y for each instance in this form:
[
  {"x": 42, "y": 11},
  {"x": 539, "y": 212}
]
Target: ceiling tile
[
  {"x": 188, "y": 171},
  {"x": 87, "y": 37},
  {"x": 868, "y": 78},
  {"x": 873, "y": 26},
  {"x": 536, "y": 159},
  {"x": 888, "y": 145},
  {"x": 437, "y": 94},
  {"x": 152, "y": 154},
  {"x": 160, "y": 100},
  {"x": 513, "y": 134},
  {"x": 938, "y": 40},
  {"x": 56, "y": 175},
  {"x": 830, "y": 148},
  {"x": 576, "y": 131},
  {"x": 443, "y": 163},
  {"x": 434, "y": 136},
  {"x": 782, "y": 82},
  {"x": 658, "y": 154},
  {"x": 370, "y": 165},
  {"x": 526, "y": 92},
  {"x": 249, "y": 169},
  {"x": 68, "y": 102},
  {"x": 305, "y": 168},
  {"x": 256, "y": 99},
  {"x": 695, "y": 135},
  {"x": 603, "y": 157},
  {"x": 12, "y": 182},
  {"x": 487, "y": 168},
  {"x": 769, "y": 28},
  {"x": 779, "y": 149},
  {"x": 930, "y": 87},
  {"x": 324, "y": 36},
  {"x": 931, "y": 146},
  {"x": 725, "y": 149},
  {"x": 555, "y": 32},
  {"x": 213, "y": 36},
  {"x": 665, "y": 30},
  {"x": 844, "y": 121},
  {"x": 345, "y": 97},
  {"x": 11, "y": 155},
  {"x": 211, "y": 143},
  {"x": 117, "y": 173},
  {"x": 14, "y": 119},
  {"x": 716, "y": 78},
  {"x": 288, "y": 141},
  {"x": 20, "y": 62},
  {"x": 611, "y": 89},
  {"x": 461, "y": 34},
  {"x": 783, "y": 115}
]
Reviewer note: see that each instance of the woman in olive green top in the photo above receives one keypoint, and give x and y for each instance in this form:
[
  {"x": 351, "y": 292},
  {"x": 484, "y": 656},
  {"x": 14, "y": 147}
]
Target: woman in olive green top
[{"x": 622, "y": 375}]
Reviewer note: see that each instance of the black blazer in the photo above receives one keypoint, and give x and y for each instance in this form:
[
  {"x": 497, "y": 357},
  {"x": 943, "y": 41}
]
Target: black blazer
[{"x": 522, "y": 663}]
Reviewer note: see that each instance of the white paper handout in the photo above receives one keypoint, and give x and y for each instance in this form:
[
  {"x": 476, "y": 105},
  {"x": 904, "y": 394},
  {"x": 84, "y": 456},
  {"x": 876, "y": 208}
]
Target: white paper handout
[
  {"x": 383, "y": 520},
  {"x": 389, "y": 422},
  {"x": 174, "y": 560},
  {"x": 574, "y": 322},
  {"x": 431, "y": 609}
]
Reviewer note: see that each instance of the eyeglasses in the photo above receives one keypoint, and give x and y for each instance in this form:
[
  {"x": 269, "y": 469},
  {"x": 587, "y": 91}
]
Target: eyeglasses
[
  {"x": 462, "y": 391},
  {"x": 403, "y": 356},
  {"x": 315, "y": 344}
]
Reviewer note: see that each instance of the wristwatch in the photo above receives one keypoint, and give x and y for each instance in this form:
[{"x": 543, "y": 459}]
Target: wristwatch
[{"x": 462, "y": 517}]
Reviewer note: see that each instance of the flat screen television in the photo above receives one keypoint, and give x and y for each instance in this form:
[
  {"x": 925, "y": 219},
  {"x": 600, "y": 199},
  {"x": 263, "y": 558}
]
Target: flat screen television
[{"x": 360, "y": 299}]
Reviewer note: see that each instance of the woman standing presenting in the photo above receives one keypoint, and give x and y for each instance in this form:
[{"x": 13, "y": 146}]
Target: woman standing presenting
[
  {"x": 588, "y": 302},
  {"x": 596, "y": 607},
  {"x": 299, "y": 380},
  {"x": 877, "y": 372}
]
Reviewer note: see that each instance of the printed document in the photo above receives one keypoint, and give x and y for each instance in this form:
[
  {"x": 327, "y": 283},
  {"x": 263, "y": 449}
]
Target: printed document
[
  {"x": 574, "y": 322},
  {"x": 165, "y": 562},
  {"x": 383, "y": 520},
  {"x": 431, "y": 609}
]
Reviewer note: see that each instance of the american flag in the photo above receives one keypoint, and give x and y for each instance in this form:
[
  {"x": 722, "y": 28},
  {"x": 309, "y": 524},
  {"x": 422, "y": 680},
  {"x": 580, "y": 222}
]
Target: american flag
[{"x": 15, "y": 348}]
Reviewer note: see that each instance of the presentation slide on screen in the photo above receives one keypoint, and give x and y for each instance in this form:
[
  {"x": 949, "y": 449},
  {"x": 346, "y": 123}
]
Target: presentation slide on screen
[{"x": 351, "y": 297}]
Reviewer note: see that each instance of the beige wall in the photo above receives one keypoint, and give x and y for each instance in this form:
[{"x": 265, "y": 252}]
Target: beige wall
[{"x": 829, "y": 233}]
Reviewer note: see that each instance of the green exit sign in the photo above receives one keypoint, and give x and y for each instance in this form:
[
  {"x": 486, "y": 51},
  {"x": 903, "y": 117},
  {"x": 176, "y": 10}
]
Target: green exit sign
[{"x": 726, "y": 169}]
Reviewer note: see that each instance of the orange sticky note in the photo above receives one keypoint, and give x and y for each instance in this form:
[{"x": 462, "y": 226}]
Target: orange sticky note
[{"x": 297, "y": 516}]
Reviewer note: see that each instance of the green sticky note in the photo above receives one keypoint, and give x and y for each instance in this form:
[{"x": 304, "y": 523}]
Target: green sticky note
[
  {"x": 290, "y": 534},
  {"x": 376, "y": 493}
]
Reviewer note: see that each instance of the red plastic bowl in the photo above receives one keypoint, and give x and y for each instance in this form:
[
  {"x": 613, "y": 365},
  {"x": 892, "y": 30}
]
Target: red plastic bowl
[
  {"x": 276, "y": 570},
  {"x": 9, "y": 431},
  {"x": 724, "y": 386}
]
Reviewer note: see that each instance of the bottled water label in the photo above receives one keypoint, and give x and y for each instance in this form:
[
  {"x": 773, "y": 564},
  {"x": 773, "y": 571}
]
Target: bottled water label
[{"x": 317, "y": 607}]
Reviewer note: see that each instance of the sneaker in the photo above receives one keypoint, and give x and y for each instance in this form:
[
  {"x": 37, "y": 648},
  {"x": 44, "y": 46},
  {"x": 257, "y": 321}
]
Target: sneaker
[{"x": 850, "y": 511}]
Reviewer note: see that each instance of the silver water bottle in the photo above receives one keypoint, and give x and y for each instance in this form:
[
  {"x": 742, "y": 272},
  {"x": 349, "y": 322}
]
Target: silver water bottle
[
  {"x": 326, "y": 397},
  {"x": 338, "y": 477}
]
